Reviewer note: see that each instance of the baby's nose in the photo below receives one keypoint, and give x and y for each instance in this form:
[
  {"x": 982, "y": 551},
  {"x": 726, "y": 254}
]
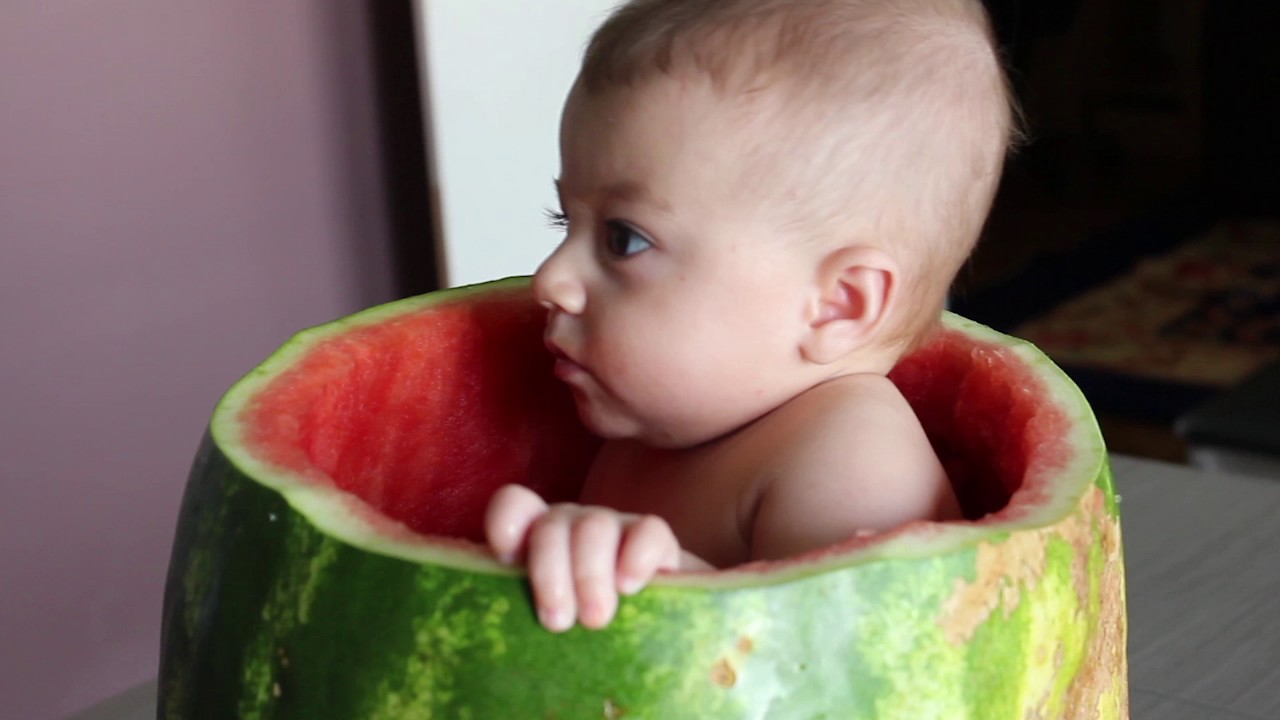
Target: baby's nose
[{"x": 557, "y": 287}]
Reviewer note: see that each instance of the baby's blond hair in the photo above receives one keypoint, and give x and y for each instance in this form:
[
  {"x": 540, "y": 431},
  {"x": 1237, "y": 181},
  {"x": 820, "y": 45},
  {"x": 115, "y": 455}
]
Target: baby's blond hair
[{"x": 900, "y": 110}]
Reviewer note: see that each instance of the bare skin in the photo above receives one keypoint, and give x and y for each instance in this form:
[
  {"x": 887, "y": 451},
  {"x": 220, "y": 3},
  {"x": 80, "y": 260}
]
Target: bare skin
[
  {"x": 770, "y": 491},
  {"x": 737, "y": 375}
]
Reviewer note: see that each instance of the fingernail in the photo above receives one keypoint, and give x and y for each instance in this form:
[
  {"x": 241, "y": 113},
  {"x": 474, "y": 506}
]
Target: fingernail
[
  {"x": 590, "y": 615},
  {"x": 630, "y": 585},
  {"x": 554, "y": 619}
]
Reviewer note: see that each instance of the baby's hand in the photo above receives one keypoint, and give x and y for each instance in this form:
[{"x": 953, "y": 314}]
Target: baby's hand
[{"x": 579, "y": 556}]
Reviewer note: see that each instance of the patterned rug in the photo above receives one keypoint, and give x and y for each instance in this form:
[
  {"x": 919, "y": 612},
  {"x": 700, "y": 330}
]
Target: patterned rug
[{"x": 1206, "y": 313}]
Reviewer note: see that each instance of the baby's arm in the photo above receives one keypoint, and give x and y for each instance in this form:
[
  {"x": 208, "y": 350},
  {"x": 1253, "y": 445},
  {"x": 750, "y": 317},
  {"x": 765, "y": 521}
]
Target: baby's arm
[{"x": 580, "y": 557}]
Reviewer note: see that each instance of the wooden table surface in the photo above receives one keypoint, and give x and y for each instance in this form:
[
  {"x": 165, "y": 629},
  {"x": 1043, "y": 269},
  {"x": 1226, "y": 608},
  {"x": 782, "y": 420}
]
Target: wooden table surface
[{"x": 1202, "y": 557}]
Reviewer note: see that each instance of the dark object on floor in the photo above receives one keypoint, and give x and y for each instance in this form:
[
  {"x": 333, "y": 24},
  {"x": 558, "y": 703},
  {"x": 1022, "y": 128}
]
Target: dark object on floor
[
  {"x": 1162, "y": 336},
  {"x": 1054, "y": 278},
  {"x": 1203, "y": 313},
  {"x": 1057, "y": 276},
  {"x": 1239, "y": 429}
]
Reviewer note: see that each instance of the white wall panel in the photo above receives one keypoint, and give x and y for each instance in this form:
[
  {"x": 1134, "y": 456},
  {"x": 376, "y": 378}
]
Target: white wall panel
[{"x": 497, "y": 72}]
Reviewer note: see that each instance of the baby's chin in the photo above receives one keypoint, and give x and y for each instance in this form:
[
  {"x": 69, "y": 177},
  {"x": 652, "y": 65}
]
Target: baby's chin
[
  {"x": 604, "y": 416},
  {"x": 602, "y": 424},
  {"x": 619, "y": 429}
]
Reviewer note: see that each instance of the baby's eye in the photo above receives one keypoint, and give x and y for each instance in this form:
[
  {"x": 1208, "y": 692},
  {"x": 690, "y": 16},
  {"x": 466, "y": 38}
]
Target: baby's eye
[{"x": 622, "y": 240}]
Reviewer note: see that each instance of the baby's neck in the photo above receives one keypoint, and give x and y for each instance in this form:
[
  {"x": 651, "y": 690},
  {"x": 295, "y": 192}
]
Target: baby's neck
[{"x": 874, "y": 360}]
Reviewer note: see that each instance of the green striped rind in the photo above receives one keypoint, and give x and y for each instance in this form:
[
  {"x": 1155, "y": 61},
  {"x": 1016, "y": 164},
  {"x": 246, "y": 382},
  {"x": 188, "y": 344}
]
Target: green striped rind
[
  {"x": 269, "y": 618},
  {"x": 269, "y": 613}
]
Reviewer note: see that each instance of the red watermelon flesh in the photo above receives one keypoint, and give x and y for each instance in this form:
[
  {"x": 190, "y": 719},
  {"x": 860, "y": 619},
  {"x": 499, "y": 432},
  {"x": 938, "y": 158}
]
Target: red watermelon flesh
[{"x": 424, "y": 417}]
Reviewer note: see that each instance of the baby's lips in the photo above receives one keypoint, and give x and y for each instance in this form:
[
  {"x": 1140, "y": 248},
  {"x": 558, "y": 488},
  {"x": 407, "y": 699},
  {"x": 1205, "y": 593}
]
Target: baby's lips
[
  {"x": 553, "y": 348},
  {"x": 566, "y": 366}
]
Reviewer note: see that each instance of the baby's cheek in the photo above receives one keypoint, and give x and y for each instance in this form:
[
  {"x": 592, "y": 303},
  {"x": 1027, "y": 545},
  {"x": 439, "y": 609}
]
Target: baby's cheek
[{"x": 637, "y": 360}]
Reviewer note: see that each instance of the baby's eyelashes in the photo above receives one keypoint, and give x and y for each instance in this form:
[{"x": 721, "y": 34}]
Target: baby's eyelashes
[{"x": 556, "y": 219}]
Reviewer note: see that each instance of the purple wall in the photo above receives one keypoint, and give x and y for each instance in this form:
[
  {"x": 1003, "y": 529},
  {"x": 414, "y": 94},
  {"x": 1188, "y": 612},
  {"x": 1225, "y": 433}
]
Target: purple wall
[{"x": 182, "y": 186}]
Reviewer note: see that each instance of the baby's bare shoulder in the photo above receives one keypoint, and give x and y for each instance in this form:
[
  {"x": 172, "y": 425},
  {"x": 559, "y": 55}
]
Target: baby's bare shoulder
[
  {"x": 853, "y": 411},
  {"x": 874, "y": 432},
  {"x": 849, "y": 456}
]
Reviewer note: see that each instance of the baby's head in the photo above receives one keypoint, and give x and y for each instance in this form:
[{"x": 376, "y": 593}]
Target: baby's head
[
  {"x": 881, "y": 122},
  {"x": 774, "y": 177}
]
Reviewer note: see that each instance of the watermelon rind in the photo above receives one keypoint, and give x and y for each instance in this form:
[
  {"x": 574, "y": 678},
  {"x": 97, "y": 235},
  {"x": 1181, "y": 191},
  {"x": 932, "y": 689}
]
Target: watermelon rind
[{"x": 285, "y": 600}]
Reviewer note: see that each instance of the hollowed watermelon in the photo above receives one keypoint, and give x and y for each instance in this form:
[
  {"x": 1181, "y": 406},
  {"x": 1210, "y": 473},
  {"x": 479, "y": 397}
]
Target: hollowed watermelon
[{"x": 326, "y": 563}]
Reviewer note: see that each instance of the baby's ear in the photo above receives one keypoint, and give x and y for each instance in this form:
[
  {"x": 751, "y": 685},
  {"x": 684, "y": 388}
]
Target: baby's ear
[{"x": 852, "y": 295}]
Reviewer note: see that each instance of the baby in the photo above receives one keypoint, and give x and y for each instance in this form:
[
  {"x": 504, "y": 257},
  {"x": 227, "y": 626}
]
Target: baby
[{"x": 764, "y": 203}]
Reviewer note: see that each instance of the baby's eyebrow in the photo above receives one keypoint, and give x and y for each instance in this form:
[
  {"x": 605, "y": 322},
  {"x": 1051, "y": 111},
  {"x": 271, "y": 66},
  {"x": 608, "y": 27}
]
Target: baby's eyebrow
[
  {"x": 631, "y": 191},
  {"x": 624, "y": 190}
]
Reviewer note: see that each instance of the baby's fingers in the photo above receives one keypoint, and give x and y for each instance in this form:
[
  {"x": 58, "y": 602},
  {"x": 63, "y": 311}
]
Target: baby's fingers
[
  {"x": 507, "y": 520},
  {"x": 550, "y": 573},
  {"x": 595, "y": 553},
  {"x": 648, "y": 545}
]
